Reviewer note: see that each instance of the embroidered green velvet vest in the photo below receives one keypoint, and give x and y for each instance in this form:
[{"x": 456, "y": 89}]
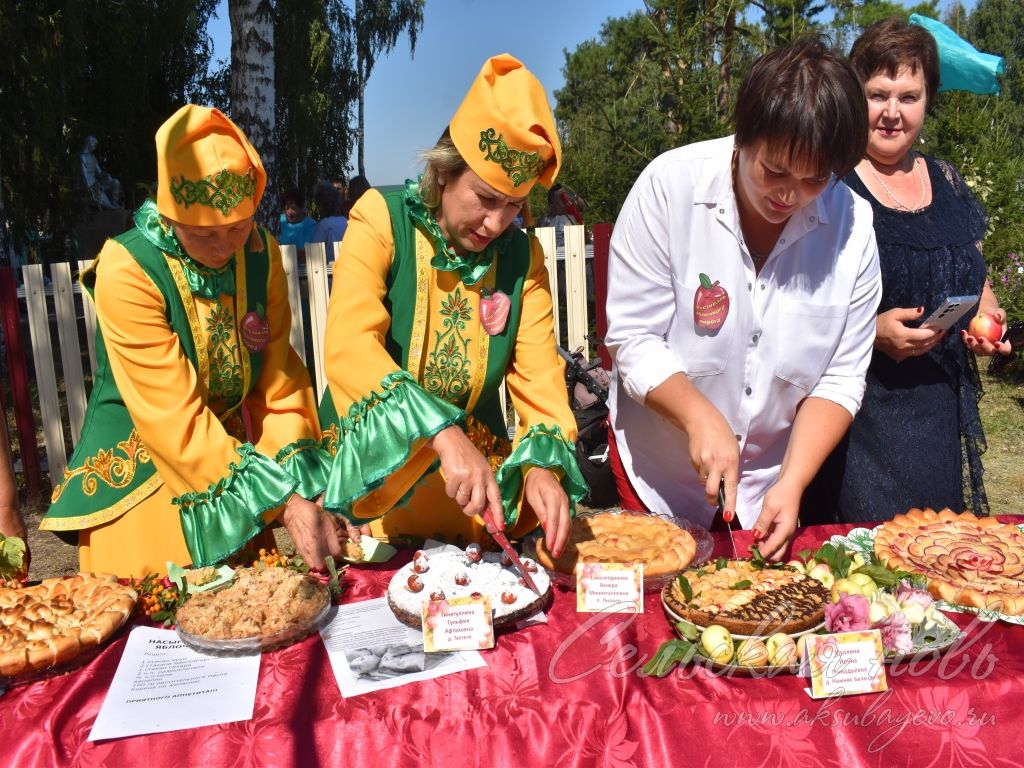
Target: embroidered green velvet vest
[
  {"x": 513, "y": 265},
  {"x": 110, "y": 470}
]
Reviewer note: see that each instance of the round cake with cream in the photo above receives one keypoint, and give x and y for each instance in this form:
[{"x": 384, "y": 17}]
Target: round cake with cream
[{"x": 445, "y": 574}]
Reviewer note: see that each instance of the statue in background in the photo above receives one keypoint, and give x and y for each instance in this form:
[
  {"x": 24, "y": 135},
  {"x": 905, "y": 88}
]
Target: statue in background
[{"x": 104, "y": 190}]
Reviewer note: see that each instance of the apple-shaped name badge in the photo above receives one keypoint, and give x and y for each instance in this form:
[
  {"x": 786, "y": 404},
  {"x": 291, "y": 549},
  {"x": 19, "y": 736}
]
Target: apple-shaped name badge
[
  {"x": 984, "y": 326},
  {"x": 710, "y": 305},
  {"x": 494, "y": 309},
  {"x": 255, "y": 330}
]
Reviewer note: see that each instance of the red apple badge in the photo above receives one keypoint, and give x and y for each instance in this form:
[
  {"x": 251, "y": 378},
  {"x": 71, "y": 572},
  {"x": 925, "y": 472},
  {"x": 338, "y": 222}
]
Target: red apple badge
[
  {"x": 710, "y": 305},
  {"x": 494, "y": 309},
  {"x": 255, "y": 330}
]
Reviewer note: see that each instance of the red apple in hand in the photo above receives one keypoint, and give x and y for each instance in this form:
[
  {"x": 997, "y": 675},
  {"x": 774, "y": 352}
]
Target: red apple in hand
[{"x": 985, "y": 326}]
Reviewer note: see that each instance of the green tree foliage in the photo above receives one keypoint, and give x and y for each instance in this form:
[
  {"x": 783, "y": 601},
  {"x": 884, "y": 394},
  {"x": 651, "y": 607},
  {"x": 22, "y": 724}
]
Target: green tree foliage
[
  {"x": 664, "y": 78},
  {"x": 378, "y": 25},
  {"x": 111, "y": 69},
  {"x": 645, "y": 86},
  {"x": 315, "y": 83},
  {"x": 984, "y": 135}
]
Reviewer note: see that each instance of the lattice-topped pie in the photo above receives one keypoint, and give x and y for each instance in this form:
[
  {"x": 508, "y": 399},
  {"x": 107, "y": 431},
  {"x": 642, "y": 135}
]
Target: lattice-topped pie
[
  {"x": 54, "y": 621},
  {"x": 972, "y": 561},
  {"x": 747, "y": 599}
]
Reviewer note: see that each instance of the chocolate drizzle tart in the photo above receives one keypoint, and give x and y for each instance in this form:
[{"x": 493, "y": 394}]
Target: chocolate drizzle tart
[{"x": 748, "y": 598}]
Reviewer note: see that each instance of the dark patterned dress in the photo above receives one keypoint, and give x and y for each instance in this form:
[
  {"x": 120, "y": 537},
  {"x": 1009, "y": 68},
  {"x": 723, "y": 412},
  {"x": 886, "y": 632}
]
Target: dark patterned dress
[{"x": 917, "y": 440}]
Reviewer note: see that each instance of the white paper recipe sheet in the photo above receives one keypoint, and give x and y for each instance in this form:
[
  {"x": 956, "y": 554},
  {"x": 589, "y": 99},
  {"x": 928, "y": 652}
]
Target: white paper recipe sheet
[{"x": 163, "y": 685}]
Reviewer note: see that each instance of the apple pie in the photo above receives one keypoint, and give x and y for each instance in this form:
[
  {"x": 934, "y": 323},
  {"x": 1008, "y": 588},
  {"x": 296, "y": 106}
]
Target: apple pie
[
  {"x": 747, "y": 599},
  {"x": 970, "y": 561}
]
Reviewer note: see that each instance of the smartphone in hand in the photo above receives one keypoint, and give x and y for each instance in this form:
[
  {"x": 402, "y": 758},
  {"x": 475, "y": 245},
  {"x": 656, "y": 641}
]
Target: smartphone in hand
[{"x": 947, "y": 313}]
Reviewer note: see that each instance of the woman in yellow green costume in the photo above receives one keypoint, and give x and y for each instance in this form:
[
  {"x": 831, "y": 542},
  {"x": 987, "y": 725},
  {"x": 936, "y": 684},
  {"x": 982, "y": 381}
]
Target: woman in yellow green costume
[
  {"x": 201, "y": 426},
  {"x": 437, "y": 300}
]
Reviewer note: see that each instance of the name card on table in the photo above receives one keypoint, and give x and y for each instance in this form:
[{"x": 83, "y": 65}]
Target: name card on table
[
  {"x": 609, "y": 587},
  {"x": 458, "y": 624},
  {"x": 844, "y": 664}
]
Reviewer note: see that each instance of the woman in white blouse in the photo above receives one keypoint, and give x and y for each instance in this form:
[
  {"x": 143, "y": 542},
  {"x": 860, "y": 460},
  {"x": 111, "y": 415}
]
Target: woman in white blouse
[{"x": 743, "y": 285}]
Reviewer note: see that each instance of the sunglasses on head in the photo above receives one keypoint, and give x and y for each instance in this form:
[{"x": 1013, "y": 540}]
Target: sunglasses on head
[{"x": 1015, "y": 335}]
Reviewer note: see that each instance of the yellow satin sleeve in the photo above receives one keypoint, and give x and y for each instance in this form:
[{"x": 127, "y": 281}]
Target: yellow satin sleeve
[
  {"x": 355, "y": 359},
  {"x": 536, "y": 374}
]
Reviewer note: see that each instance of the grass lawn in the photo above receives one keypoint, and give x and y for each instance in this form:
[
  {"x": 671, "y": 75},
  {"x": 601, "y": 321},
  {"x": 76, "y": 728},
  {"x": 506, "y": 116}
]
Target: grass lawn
[{"x": 1002, "y": 413}]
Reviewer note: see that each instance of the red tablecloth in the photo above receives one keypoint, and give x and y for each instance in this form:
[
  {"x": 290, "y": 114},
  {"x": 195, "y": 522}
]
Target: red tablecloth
[{"x": 567, "y": 693}]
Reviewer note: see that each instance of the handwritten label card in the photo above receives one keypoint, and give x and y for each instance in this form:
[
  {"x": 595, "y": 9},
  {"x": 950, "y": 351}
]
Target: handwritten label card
[
  {"x": 844, "y": 664},
  {"x": 457, "y": 624},
  {"x": 609, "y": 587}
]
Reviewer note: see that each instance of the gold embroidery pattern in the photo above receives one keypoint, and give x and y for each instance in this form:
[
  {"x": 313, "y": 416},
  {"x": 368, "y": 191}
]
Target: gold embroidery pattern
[
  {"x": 446, "y": 374},
  {"x": 114, "y": 511},
  {"x": 198, "y": 337},
  {"x": 225, "y": 365},
  {"x": 330, "y": 439},
  {"x": 483, "y": 343},
  {"x": 419, "y": 324},
  {"x": 495, "y": 449},
  {"x": 107, "y": 466}
]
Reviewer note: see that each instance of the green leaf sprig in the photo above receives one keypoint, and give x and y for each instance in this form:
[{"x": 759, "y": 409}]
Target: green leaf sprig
[
  {"x": 758, "y": 562},
  {"x": 673, "y": 652},
  {"x": 12, "y": 557}
]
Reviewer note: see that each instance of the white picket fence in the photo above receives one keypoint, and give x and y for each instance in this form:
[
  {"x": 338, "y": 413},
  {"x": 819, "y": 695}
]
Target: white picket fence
[{"x": 61, "y": 306}]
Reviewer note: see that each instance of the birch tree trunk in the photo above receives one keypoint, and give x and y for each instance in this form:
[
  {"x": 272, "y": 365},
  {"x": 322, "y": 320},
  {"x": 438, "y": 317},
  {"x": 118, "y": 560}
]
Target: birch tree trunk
[{"x": 252, "y": 91}]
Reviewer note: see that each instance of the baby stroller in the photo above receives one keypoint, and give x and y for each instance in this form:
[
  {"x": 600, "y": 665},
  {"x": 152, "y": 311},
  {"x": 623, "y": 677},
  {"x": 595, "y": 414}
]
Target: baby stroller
[{"x": 587, "y": 389}]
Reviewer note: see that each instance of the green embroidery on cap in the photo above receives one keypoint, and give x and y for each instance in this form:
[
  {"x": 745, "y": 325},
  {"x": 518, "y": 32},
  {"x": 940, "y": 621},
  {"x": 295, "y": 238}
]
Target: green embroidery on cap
[
  {"x": 223, "y": 191},
  {"x": 519, "y": 166}
]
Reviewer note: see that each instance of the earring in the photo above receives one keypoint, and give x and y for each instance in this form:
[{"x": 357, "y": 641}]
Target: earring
[{"x": 441, "y": 181}]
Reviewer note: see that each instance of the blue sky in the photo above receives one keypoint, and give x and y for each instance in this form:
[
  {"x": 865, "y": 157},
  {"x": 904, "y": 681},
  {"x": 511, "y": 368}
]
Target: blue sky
[{"x": 410, "y": 100}]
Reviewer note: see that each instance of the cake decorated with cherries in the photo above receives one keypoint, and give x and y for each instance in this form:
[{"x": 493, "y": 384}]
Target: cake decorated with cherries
[{"x": 448, "y": 573}]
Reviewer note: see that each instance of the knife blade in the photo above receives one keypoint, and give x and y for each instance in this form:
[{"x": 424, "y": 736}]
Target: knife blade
[
  {"x": 721, "y": 510},
  {"x": 502, "y": 540}
]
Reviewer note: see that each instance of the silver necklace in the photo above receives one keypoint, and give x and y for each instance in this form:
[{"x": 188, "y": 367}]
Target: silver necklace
[{"x": 900, "y": 203}]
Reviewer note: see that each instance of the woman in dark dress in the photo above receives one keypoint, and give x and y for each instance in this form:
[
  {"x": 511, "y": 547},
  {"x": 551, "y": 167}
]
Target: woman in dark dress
[{"x": 918, "y": 439}]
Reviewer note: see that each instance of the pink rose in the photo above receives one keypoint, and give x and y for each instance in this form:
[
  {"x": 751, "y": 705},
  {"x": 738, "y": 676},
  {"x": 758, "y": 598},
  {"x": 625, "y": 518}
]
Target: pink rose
[
  {"x": 895, "y": 631},
  {"x": 850, "y": 614}
]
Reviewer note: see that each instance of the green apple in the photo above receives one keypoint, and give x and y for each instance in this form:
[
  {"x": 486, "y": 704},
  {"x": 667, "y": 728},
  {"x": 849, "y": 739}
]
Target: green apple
[
  {"x": 781, "y": 649},
  {"x": 801, "y": 647},
  {"x": 821, "y": 572},
  {"x": 868, "y": 587},
  {"x": 752, "y": 653},
  {"x": 858, "y": 562},
  {"x": 844, "y": 587},
  {"x": 797, "y": 565},
  {"x": 716, "y": 641}
]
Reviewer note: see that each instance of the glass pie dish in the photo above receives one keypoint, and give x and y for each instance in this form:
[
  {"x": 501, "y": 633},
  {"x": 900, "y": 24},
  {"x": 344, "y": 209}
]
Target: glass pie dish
[{"x": 247, "y": 646}]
